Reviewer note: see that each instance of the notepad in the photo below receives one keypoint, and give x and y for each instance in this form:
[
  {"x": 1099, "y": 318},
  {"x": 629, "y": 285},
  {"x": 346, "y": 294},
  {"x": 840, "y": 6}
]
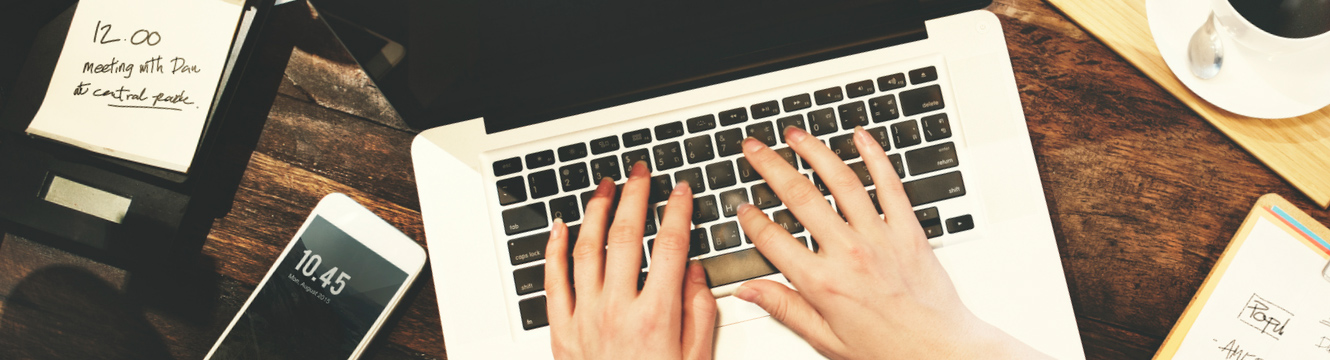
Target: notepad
[
  {"x": 136, "y": 79},
  {"x": 1268, "y": 296}
]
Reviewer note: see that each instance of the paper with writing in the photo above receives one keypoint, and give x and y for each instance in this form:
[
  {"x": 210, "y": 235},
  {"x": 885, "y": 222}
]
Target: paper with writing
[
  {"x": 1270, "y": 301},
  {"x": 136, "y": 78}
]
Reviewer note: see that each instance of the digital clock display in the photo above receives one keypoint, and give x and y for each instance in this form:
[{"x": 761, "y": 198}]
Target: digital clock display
[{"x": 319, "y": 303}]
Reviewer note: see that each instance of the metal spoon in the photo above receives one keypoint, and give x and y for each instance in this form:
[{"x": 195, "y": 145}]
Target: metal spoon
[{"x": 1205, "y": 52}]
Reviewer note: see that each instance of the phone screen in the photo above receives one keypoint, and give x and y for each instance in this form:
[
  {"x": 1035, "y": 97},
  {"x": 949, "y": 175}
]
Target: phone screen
[{"x": 320, "y": 302}]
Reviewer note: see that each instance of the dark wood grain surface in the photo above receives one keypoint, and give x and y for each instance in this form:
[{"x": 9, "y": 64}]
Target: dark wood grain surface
[{"x": 1144, "y": 196}]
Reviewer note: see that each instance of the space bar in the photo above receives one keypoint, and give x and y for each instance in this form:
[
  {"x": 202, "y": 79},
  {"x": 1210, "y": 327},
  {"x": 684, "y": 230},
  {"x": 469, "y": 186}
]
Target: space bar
[{"x": 737, "y": 266}]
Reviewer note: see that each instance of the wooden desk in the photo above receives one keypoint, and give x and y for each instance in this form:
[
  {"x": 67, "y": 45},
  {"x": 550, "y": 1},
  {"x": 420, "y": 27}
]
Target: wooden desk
[{"x": 1144, "y": 196}]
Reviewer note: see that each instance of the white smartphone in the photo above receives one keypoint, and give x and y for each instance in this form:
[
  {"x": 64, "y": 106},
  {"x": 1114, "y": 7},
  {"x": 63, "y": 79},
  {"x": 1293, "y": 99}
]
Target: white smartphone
[{"x": 330, "y": 290}]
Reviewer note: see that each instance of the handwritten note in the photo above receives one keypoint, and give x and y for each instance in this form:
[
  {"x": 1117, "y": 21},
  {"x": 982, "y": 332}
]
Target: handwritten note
[
  {"x": 1270, "y": 303},
  {"x": 136, "y": 78}
]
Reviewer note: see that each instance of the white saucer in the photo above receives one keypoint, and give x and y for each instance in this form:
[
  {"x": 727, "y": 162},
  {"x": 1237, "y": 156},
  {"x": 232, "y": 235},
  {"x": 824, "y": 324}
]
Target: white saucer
[{"x": 1237, "y": 88}]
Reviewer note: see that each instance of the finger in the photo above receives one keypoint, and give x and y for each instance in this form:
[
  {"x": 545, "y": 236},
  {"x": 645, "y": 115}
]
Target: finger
[
  {"x": 589, "y": 252},
  {"x": 798, "y": 194},
  {"x": 843, "y": 183},
  {"x": 776, "y": 244},
  {"x": 669, "y": 252},
  {"x": 623, "y": 259},
  {"x": 557, "y": 290},
  {"x": 890, "y": 192},
  {"x": 791, "y": 309},
  {"x": 699, "y": 315}
]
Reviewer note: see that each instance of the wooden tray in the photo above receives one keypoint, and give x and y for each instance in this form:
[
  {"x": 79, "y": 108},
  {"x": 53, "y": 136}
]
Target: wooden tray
[{"x": 1296, "y": 148}]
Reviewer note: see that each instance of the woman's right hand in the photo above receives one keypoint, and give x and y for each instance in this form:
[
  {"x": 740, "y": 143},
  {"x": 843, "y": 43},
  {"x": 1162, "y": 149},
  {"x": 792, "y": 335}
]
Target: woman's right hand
[{"x": 874, "y": 289}]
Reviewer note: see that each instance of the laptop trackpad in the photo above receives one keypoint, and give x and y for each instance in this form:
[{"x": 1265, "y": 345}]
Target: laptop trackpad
[{"x": 734, "y": 311}]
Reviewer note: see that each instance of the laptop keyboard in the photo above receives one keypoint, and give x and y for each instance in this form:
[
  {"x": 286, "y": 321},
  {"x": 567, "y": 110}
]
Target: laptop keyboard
[{"x": 705, "y": 150}]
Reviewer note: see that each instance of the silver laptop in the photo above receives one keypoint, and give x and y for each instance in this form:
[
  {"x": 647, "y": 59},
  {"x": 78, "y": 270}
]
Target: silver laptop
[{"x": 945, "y": 107}]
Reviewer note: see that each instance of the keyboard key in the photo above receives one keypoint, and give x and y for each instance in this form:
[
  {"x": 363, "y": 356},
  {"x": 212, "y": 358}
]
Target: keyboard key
[
  {"x": 572, "y": 152},
  {"x": 897, "y": 164},
  {"x": 669, "y": 131},
  {"x": 565, "y": 208},
  {"x": 797, "y": 102},
  {"x": 891, "y": 82},
  {"x": 736, "y": 266},
  {"x": 668, "y": 156},
  {"x": 959, "y": 224},
  {"x": 821, "y": 186},
  {"x": 540, "y": 159},
  {"x": 729, "y": 142},
  {"x": 528, "y": 248},
  {"x": 533, "y": 313},
  {"x": 789, "y": 156},
  {"x": 525, "y": 218},
  {"x": 574, "y": 177},
  {"x": 511, "y": 190},
  {"x": 605, "y": 167},
  {"x": 766, "y": 109},
  {"x": 661, "y": 186},
  {"x": 796, "y": 120},
  {"x": 935, "y": 188},
  {"x": 853, "y": 114},
  {"x": 927, "y": 216},
  {"x": 828, "y": 95},
  {"x": 507, "y": 166},
  {"x": 698, "y": 243},
  {"x": 632, "y": 157},
  {"x": 920, "y": 76},
  {"x": 636, "y": 137},
  {"x": 860, "y": 88},
  {"x": 921, "y": 100},
  {"x": 642, "y": 278},
  {"x": 699, "y": 149},
  {"x": 843, "y": 145},
  {"x": 604, "y": 145},
  {"x": 883, "y": 108},
  {"x": 529, "y": 280},
  {"x": 721, "y": 174},
  {"x": 822, "y": 122},
  {"x": 701, "y": 123},
  {"x": 936, "y": 127},
  {"x": 733, "y": 116},
  {"x": 933, "y": 231},
  {"x": 650, "y": 228},
  {"x": 802, "y": 241},
  {"x": 542, "y": 184},
  {"x": 872, "y": 196},
  {"x": 693, "y": 177},
  {"x": 726, "y": 235},
  {"x": 786, "y": 220},
  {"x": 730, "y": 201},
  {"x": 763, "y": 132},
  {"x": 932, "y": 158},
  {"x": 763, "y": 197},
  {"x": 906, "y": 134},
  {"x": 746, "y": 172},
  {"x": 704, "y": 209},
  {"x": 861, "y": 171}
]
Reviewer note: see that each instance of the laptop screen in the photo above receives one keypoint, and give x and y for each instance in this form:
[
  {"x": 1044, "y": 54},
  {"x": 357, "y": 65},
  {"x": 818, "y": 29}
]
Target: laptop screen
[{"x": 520, "y": 62}]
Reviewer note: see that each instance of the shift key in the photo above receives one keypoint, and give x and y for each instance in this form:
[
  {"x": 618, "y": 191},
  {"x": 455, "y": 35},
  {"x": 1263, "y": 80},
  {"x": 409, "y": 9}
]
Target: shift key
[
  {"x": 935, "y": 188},
  {"x": 932, "y": 158}
]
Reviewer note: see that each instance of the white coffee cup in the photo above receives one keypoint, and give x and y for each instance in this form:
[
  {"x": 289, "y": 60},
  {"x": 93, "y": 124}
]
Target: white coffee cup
[{"x": 1297, "y": 67}]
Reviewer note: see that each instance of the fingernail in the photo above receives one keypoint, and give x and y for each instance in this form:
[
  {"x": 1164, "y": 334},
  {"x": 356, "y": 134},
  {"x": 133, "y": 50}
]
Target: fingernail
[
  {"x": 751, "y": 144},
  {"x": 745, "y": 207},
  {"x": 794, "y": 134},
  {"x": 698, "y": 275},
  {"x": 861, "y": 134},
  {"x": 746, "y": 294},
  {"x": 640, "y": 169},
  {"x": 680, "y": 188}
]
